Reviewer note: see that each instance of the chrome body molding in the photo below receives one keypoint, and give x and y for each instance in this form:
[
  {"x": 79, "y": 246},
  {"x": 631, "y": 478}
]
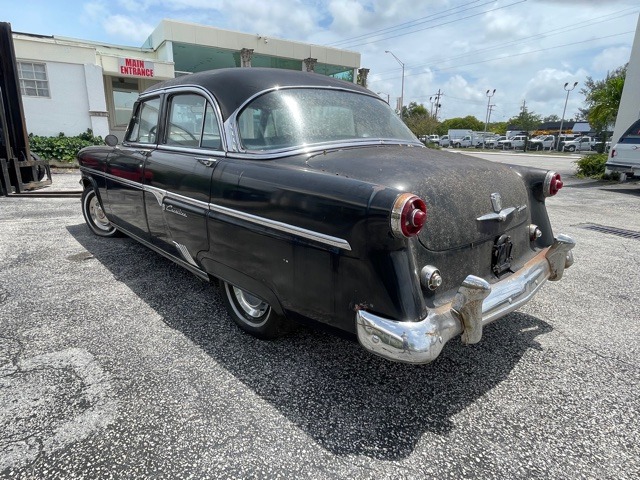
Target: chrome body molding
[
  {"x": 283, "y": 227},
  {"x": 185, "y": 254},
  {"x": 476, "y": 304},
  {"x": 193, "y": 268},
  {"x": 163, "y": 195}
]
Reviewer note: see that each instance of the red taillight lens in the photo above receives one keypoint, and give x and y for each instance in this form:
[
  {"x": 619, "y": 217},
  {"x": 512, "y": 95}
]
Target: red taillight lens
[
  {"x": 552, "y": 184},
  {"x": 613, "y": 153},
  {"x": 408, "y": 216}
]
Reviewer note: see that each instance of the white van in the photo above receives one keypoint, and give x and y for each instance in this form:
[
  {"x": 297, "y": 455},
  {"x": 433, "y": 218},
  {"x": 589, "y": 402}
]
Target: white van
[{"x": 624, "y": 157}]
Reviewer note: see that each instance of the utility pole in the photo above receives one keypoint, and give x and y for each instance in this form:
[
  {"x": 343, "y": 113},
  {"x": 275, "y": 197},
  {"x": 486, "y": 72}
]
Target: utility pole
[
  {"x": 402, "y": 88},
  {"x": 437, "y": 102},
  {"x": 568, "y": 90},
  {"x": 486, "y": 117}
]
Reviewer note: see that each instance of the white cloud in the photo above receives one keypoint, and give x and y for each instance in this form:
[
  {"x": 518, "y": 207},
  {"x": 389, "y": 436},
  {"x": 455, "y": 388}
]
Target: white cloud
[
  {"x": 610, "y": 59},
  {"x": 127, "y": 28}
]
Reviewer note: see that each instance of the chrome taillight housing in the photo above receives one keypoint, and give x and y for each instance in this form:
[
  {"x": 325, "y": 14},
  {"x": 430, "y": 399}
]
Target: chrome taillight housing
[
  {"x": 408, "y": 216},
  {"x": 552, "y": 184}
]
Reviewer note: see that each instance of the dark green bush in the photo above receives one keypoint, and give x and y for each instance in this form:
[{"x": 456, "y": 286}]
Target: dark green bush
[
  {"x": 591, "y": 166},
  {"x": 62, "y": 148}
]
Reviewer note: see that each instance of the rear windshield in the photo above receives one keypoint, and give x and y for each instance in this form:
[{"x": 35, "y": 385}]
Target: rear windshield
[
  {"x": 290, "y": 118},
  {"x": 633, "y": 132}
]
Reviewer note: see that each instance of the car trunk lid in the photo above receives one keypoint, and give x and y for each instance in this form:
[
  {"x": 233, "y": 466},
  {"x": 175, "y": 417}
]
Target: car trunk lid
[{"x": 458, "y": 190}]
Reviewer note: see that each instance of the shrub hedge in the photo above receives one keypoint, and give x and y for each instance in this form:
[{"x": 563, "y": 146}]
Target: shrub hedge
[
  {"x": 62, "y": 148},
  {"x": 591, "y": 166}
]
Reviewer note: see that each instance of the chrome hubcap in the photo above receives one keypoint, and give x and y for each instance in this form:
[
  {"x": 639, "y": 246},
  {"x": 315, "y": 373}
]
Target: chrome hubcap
[
  {"x": 97, "y": 215},
  {"x": 251, "y": 305}
]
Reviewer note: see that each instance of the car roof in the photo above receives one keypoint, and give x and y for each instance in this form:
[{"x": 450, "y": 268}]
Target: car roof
[{"x": 233, "y": 86}]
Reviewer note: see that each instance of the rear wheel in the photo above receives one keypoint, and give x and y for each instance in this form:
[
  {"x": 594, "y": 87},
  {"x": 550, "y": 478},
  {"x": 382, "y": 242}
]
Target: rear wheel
[
  {"x": 95, "y": 216},
  {"x": 252, "y": 314},
  {"x": 571, "y": 148}
]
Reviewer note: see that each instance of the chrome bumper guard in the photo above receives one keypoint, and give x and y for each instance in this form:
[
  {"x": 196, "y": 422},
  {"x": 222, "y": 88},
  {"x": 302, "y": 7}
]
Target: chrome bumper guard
[{"x": 476, "y": 304}]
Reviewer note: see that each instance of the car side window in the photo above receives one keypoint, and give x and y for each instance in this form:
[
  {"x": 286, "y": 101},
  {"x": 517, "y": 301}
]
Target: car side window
[
  {"x": 184, "y": 122},
  {"x": 144, "y": 127},
  {"x": 211, "y": 129},
  {"x": 192, "y": 122}
]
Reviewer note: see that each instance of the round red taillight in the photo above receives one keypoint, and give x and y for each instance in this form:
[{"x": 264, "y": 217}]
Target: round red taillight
[
  {"x": 552, "y": 184},
  {"x": 408, "y": 216}
]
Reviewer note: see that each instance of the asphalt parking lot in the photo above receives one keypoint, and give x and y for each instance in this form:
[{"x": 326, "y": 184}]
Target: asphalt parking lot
[{"x": 116, "y": 363}]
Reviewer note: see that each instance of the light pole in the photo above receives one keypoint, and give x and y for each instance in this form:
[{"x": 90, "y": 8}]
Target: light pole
[
  {"x": 486, "y": 117},
  {"x": 402, "y": 90},
  {"x": 564, "y": 111},
  {"x": 382, "y": 93}
]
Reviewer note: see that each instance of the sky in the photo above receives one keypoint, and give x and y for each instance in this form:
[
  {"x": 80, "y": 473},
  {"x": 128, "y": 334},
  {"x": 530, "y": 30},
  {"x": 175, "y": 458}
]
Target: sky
[{"x": 524, "y": 49}]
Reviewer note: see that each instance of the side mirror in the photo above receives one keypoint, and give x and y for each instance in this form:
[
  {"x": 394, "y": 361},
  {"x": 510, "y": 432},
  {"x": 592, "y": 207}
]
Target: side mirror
[{"x": 111, "y": 140}]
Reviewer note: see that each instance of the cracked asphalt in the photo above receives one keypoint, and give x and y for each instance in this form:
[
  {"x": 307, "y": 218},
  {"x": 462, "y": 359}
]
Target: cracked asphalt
[{"x": 116, "y": 363}]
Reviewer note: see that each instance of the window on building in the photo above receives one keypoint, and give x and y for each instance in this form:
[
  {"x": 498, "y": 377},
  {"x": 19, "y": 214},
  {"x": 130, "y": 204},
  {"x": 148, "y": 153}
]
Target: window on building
[
  {"x": 125, "y": 93},
  {"x": 145, "y": 123},
  {"x": 33, "y": 79}
]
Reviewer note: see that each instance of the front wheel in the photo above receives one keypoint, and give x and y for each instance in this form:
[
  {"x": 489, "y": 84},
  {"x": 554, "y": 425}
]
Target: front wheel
[
  {"x": 95, "y": 216},
  {"x": 252, "y": 314}
]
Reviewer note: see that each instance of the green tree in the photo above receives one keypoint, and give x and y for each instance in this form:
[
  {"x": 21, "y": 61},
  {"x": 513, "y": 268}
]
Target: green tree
[
  {"x": 498, "y": 127},
  {"x": 551, "y": 118},
  {"x": 419, "y": 120},
  {"x": 526, "y": 121},
  {"x": 602, "y": 100},
  {"x": 469, "y": 122}
]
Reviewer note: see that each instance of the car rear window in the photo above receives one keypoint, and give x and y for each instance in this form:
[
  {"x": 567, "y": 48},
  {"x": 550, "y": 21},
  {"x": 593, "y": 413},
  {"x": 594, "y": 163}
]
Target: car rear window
[
  {"x": 290, "y": 118},
  {"x": 633, "y": 132}
]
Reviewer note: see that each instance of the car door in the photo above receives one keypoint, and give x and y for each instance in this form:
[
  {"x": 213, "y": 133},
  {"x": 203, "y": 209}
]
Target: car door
[
  {"x": 178, "y": 174},
  {"x": 125, "y": 170}
]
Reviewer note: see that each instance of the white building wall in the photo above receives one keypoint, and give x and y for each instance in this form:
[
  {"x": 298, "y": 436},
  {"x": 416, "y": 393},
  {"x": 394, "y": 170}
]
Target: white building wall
[
  {"x": 67, "y": 109},
  {"x": 629, "y": 110},
  {"x": 98, "y": 115}
]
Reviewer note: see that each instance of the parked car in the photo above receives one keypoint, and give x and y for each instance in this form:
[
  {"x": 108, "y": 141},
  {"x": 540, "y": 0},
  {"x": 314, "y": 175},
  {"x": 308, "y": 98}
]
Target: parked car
[
  {"x": 564, "y": 139},
  {"x": 434, "y": 138},
  {"x": 513, "y": 142},
  {"x": 494, "y": 142},
  {"x": 542, "y": 142},
  {"x": 624, "y": 157},
  {"x": 579, "y": 144},
  {"x": 305, "y": 196},
  {"x": 444, "y": 141}
]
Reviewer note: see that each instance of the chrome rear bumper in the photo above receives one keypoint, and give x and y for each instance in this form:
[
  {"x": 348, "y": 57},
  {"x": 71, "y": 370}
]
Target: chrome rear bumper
[{"x": 476, "y": 304}]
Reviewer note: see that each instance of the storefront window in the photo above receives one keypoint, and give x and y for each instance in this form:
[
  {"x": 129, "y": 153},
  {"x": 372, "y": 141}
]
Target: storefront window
[{"x": 125, "y": 94}]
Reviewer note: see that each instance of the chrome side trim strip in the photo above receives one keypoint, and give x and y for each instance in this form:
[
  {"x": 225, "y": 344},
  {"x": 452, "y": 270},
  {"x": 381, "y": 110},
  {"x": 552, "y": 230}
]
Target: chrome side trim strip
[
  {"x": 193, "y": 269},
  {"x": 283, "y": 227},
  {"x": 162, "y": 195},
  {"x": 185, "y": 253}
]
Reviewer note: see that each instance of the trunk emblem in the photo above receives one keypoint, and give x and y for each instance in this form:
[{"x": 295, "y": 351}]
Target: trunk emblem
[
  {"x": 499, "y": 214},
  {"x": 496, "y": 202}
]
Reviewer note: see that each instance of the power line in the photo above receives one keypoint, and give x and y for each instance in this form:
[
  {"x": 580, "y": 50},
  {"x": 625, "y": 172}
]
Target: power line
[
  {"x": 401, "y": 26},
  {"x": 350, "y": 45},
  {"x": 556, "y": 31}
]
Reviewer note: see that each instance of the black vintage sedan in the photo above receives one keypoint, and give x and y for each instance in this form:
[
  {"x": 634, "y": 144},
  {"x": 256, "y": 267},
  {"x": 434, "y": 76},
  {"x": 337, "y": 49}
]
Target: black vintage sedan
[{"x": 305, "y": 196}]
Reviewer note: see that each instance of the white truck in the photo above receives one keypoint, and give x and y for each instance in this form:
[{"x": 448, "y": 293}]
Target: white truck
[
  {"x": 542, "y": 142},
  {"x": 580, "y": 144},
  {"x": 624, "y": 157},
  {"x": 462, "y": 137}
]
